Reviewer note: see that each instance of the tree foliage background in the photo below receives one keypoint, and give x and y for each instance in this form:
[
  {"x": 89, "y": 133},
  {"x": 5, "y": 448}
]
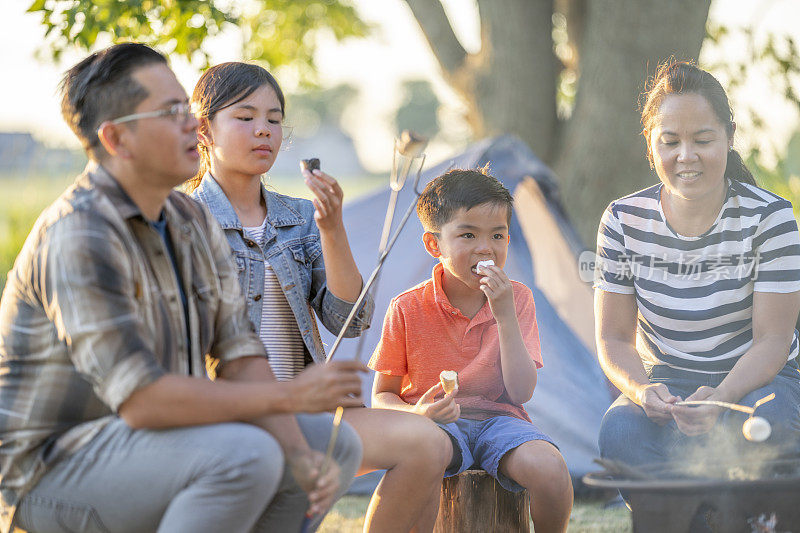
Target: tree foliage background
[{"x": 276, "y": 32}]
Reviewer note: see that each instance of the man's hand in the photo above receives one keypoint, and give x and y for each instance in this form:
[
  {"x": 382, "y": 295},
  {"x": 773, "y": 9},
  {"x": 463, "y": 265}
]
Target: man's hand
[
  {"x": 443, "y": 411},
  {"x": 324, "y": 387},
  {"x": 697, "y": 420},
  {"x": 320, "y": 486},
  {"x": 328, "y": 199},
  {"x": 499, "y": 291},
  {"x": 657, "y": 402}
]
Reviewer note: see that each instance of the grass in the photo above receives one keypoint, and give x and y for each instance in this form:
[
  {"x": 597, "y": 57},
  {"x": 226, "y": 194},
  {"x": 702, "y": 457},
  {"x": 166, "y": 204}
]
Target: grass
[
  {"x": 21, "y": 201},
  {"x": 588, "y": 516},
  {"x": 24, "y": 197}
]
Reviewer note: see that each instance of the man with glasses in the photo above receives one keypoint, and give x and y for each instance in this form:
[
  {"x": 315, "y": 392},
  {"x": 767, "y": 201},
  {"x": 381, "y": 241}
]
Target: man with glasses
[{"x": 122, "y": 300}]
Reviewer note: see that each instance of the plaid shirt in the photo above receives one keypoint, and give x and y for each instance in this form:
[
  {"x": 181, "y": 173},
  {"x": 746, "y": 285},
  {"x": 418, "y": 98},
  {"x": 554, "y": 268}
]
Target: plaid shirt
[{"x": 92, "y": 311}]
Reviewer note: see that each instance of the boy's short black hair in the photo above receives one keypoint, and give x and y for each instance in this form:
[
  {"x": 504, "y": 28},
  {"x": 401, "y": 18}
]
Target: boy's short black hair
[
  {"x": 101, "y": 88},
  {"x": 457, "y": 189}
]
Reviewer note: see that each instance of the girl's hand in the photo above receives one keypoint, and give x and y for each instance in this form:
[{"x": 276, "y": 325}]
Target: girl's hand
[
  {"x": 306, "y": 467},
  {"x": 328, "y": 201},
  {"x": 499, "y": 291},
  {"x": 443, "y": 411},
  {"x": 657, "y": 402},
  {"x": 697, "y": 420}
]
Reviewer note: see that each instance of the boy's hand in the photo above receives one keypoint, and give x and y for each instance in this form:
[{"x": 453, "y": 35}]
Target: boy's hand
[
  {"x": 328, "y": 201},
  {"x": 499, "y": 291},
  {"x": 443, "y": 411}
]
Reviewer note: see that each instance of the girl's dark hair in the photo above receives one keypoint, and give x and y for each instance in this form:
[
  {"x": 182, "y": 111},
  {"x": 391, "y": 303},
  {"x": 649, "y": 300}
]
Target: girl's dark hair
[
  {"x": 101, "y": 87},
  {"x": 222, "y": 86},
  {"x": 460, "y": 189},
  {"x": 680, "y": 77}
]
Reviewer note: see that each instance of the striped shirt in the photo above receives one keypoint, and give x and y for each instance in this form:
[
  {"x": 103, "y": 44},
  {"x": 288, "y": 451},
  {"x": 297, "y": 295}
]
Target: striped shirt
[
  {"x": 695, "y": 294},
  {"x": 92, "y": 312},
  {"x": 278, "y": 329}
]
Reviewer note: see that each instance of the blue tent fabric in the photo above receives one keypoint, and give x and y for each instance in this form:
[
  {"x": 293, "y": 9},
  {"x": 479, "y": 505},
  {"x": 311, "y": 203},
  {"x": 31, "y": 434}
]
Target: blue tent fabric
[{"x": 571, "y": 393}]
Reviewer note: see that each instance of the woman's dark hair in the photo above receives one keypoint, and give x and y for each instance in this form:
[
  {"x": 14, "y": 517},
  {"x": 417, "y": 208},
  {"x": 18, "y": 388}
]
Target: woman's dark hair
[
  {"x": 460, "y": 189},
  {"x": 222, "y": 86},
  {"x": 680, "y": 77},
  {"x": 101, "y": 88}
]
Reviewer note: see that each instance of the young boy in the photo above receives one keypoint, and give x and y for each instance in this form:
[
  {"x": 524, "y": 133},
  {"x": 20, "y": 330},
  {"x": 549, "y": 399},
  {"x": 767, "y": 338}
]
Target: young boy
[{"x": 476, "y": 321}]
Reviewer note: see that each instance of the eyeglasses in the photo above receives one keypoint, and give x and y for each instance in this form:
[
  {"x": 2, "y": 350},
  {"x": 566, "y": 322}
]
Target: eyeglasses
[{"x": 181, "y": 111}]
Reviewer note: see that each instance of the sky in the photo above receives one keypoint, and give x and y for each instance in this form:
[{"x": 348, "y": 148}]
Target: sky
[{"x": 377, "y": 66}]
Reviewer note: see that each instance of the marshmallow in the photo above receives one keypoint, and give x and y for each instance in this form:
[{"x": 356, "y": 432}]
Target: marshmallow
[
  {"x": 449, "y": 379},
  {"x": 756, "y": 429},
  {"x": 309, "y": 164},
  {"x": 484, "y": 263}
]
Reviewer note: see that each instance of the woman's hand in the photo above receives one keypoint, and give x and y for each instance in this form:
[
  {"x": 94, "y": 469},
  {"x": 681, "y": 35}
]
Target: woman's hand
[
  {"x": 697, "y": 420},
  {"x": 657, "y": 402},
  {"x": 328, "y": 201},
  {"x": 443, "y": 411}
]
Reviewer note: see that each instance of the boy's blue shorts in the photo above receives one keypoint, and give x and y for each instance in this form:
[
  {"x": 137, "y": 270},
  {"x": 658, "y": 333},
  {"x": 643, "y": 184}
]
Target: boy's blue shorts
[{"x": 483, "y": 443}]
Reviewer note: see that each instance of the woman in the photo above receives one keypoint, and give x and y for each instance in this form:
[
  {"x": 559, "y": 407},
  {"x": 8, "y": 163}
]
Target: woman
[
  {"x": 697, "y": 294},
  {"x": 293, "y": 257}
]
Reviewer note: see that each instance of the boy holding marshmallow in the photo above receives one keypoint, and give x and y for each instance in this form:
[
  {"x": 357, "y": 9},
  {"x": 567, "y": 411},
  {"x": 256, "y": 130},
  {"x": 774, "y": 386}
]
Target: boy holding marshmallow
[{"x": 470, "y": 318}]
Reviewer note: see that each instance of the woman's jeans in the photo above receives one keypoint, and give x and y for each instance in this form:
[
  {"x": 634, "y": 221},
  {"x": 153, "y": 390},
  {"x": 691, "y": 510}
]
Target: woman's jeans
[
  {"x": 628, "y": 435},
  {"x": 219, "y": 477}
]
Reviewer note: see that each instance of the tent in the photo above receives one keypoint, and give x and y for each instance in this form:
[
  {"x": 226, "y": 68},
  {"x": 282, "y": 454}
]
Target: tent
[{"x": 571, "y": 393}]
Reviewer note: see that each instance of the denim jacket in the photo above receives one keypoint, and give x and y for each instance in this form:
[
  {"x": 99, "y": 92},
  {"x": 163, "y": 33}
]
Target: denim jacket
[{"x": 292, "y": 247}]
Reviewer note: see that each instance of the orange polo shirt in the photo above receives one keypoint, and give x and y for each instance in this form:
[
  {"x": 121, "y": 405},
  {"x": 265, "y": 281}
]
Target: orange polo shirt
[{"x": 424, "y": 334}]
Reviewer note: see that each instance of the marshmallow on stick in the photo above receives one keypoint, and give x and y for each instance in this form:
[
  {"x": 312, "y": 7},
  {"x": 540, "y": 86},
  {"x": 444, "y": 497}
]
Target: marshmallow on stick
[
  {"x": 449, "y": 379},
  {"x": 756, "y": 429},
  {"x": 482, "y": 264}
]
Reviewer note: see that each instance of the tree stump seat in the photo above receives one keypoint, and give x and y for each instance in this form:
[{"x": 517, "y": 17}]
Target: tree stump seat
[{"x": 474, "y": 501}]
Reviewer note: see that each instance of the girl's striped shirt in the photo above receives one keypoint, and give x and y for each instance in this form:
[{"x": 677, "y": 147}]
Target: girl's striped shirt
[
  {"x": 278, "y": 329},
  {"x": 695, "y": 294}
]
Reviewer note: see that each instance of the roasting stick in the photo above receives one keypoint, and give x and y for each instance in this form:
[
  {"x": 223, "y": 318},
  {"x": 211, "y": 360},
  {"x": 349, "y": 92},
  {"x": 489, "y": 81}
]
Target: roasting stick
[
  {"x": 733, "y": 406},
  {"x": 412, "y": 147},
  {"x": 337, "y": 422}
]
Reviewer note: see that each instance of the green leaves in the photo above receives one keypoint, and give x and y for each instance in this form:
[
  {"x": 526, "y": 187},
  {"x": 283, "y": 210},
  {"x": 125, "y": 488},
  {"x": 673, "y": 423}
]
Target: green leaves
[
  {"x": 775, "y": 60},
  {"x": 277, "y": 32}
]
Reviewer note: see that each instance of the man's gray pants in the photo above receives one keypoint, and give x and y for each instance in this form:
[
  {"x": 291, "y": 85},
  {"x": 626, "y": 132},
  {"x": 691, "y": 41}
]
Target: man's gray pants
[{"x": 215, "y": 478}]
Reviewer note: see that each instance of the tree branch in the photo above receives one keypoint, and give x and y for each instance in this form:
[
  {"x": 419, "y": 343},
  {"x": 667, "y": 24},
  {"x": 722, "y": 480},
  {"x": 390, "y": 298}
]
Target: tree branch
[{"x": 433, "y": 21}]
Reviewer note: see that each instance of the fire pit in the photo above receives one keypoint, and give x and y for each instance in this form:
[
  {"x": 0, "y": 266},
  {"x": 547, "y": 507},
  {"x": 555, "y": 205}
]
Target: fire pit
[{"x": 712, "y": 497}]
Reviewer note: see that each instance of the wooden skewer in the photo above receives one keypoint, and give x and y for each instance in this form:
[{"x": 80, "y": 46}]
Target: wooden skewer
[
  {"x": 763, "y": 400},
  {"x": 337, "y": 421},
  {"x": 734, "y": 406}
]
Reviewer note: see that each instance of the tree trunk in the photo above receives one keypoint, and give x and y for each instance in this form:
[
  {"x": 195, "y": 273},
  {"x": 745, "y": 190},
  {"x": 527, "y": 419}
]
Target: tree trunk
[
  {"x": 510, "y": 85},
  {"x": 601, "y": 155},
  {"x": 515, "y": 91},
  {"x": 474, "y": 501}
]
